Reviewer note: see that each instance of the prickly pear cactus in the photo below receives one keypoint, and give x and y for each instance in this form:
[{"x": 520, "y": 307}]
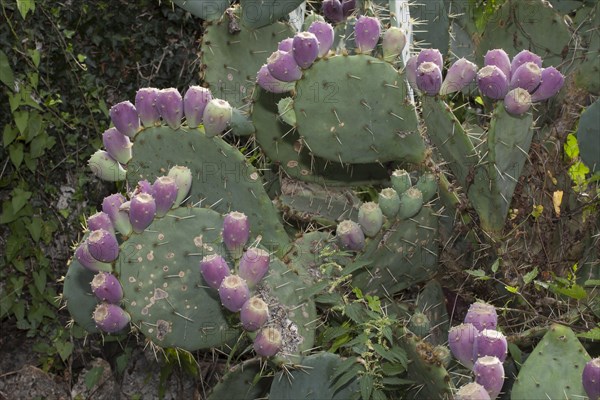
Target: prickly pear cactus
[{"x": 535, "y": 380}]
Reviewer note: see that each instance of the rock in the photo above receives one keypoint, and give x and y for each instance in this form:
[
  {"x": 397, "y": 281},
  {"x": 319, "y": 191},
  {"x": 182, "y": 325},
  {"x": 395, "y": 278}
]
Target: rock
[{"x": 32, "y": 383}]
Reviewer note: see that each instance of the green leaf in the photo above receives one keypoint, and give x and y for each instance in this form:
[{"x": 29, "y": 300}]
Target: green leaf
[
  {"x": 496, "y": 265},
  {"x": 25, "y": 6},
  {"x": 356, "y": 312},
  {"x": 39, "y": 280},
  {"x": 379, "y": 395},
  {"x": 34, "y": 126},
  {"x": 392, "y": 368},
  {"x": 571, "y": 147},
  {"x": 65, "y": 349},
  {"x": 21, "y": 119},
  {"x": 346, "y": 377},
  {"x": 530, "y": 276},
  {"x": 35, "y": 57},
  {"x": 395, "y": 381},
  {"x": 6, "y": 74},
  {"x": 593, "y": 334},
  {"x": 35, "y": 228},
  {"x": 8, "y": 135},
  {"x": 478, "y": 273},
  {"x": 575, "y": 292},
  {"x": 93, "y": 377},
  {"x": 366, "y": 386},
  {"x": 329, "y": 298},
  {"x": 515, "y": 353},
  {"x": 14, "y": 100},
  {"x": 38, "y": 146},
  {"x": 19, "y": 199},
  {"x": 512, "y": 289}
]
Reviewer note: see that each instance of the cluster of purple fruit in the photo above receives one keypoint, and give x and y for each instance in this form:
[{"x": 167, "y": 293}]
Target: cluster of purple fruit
[
  {"x": 234, "y": 289},
  {"x": 293, "y": 55},
  {"x": 350, "y": 235},
  {"x": 119, "y": 215},
  {"x": 519, "y": 83},
  {"x": 479, "y": 346},
  {"x": 337, "y": 11},
  {"x": 151, "y": 105},
  {"x": 591, "y": 378}
]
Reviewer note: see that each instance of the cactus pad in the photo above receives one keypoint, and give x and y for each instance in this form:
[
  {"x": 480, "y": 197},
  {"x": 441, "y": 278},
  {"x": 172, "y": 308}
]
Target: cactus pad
[{"x": 79, "y": 297}]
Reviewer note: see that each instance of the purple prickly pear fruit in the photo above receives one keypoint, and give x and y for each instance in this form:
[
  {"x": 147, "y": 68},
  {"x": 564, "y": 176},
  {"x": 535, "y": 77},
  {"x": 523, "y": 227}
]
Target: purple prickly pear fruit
[
  {"x": 482, "y": 316},
  {"x": 111, "y": 205},
  {"x": 83, "y": 256},
  {"x": 305, "y": 48},
  {"x": 254, "y": 314},
  {"x": 411, "y": 72},
  {"x": 370, "y": 218},
  {"x": 107, "y": 287},
  {"x": 100, "y": 220},
  {"x": 348, "y": 7},
  {"x": 254, "y": 265},
  {"x": 490, "y": 343},
  {"x": 430, "y": 55},
  {"x": 125, "y": 118},
  {"x": 105, "y": 167},
  {"x": 527, "y": 76},
  {"x": 217, "y": 116},
  {"x": 429, "y": 78},
  {"x": 393, "y": 43},
  {"x": 103, "y": 246},
  {"x": 283, "y": 66},
  {"x": 145, "y": 103},
  {"x": 472, "y": 391},
  {"x": 489, "y": 373},
  {"x": 233, "y": 293},
  {"x": 268, "y": 342},
  {"x": 214, "y": 269},
  {"x": 332, "y": 9},
  {"x": 142, "y": 186},
  {"x": 591, "y": 378},
  {"x": 350, "y": 236},
  {"x": 324, "y": 33},
  {"x": 461, "y": 340},
  {"x": 459, "y": 75},
  {"x": 517, "y": 101},
  {"x": 551, "y": 83},
  {"x": 164, "y": 191},
  {"x": 286, "y": 45},
  {"x": 142, "y": 210},
  {"x": 366, "y": 34},
  {"x": 492, "y": 82},
  {"x": 266, "y": 81},
  {"x": 117, "y": 145},
  {"x": 194, "y": 102},
  {"x": 170, "y": 106},
  {"x": 183, "y": 180},
  {"x": 236, "y": 231},
  {"x": 523, "y": 57},
  {"x": 110, "y": 318},
  {"x": 500, "y": 59}
]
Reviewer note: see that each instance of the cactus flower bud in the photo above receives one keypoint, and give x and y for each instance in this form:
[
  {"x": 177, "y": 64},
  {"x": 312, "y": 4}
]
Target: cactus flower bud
[
  {"x": 492, "y": 82},
  {"x": 214, "y": 269},
  {"x": 233, "y": 293},
  {"x": 117, "y": 145},
  {"x": 268, "y": 342},
  {"x": 305, "y": 48},
  {"x": 142, "y": 210},
  {"x": 389, "y": 202},
  {"x": 194, "y": 102},
  {"x": 419, "y": 324},
  {"x": 105, "y": 167},
  {"x": 107, "y": 287},
  {"x": 110, "y": 318},
  {"x": 459, "y": 75},
  {"x": 393, "y": 43},
  {"x": 324, "y": 33},
  {"x": 170, "y": 106},
  {"x": 400, "y": 181},
  {"x": 125, "y": 118},
  {"x": 145, "y": 103},
  {"x": 217, "y": 116},
  {"x": 370, "y": 218},
  {"x": 429, "y": 78},
  {"x": 254, "y": 314},
  {"x": 366, "y": 33},
  {"x": 411, "y": 202},
  {"x": 428, "y": 186},
  {"x": 183, "y": 179},
  {"x": 103, "y": 246}
]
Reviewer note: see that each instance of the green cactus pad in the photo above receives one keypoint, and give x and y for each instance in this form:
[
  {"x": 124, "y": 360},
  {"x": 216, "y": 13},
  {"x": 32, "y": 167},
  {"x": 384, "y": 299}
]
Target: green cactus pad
[
  {"x": 242, "y": 382},
  {"x": 527, "y": 24},
  {"x": 307, "y": 202},
  {"x": 560, "y": 349},
  {"x": 78, "y": 295},
  {"x": 432, "y": 302},
  {"x": 258, "y": 13},
  {"x": 222, "y": 176},
  {"x": 587, "y": 20},
  {"x": 508, "y": 141},
  {"x": 433, "y": 381},
  {"x": 163, "y": 288},
  {"x": 433, "y": 24},
  {"x": 283, "y": 146},
  {"x": 312, "y": 378},
  {"x": 205, "y": 9},
  {"x": 355, "y": 109},
  {"x": 399, "y": 257},
  {"x": 588, "y": 137},
  {"x": 231, "y": 60}
]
